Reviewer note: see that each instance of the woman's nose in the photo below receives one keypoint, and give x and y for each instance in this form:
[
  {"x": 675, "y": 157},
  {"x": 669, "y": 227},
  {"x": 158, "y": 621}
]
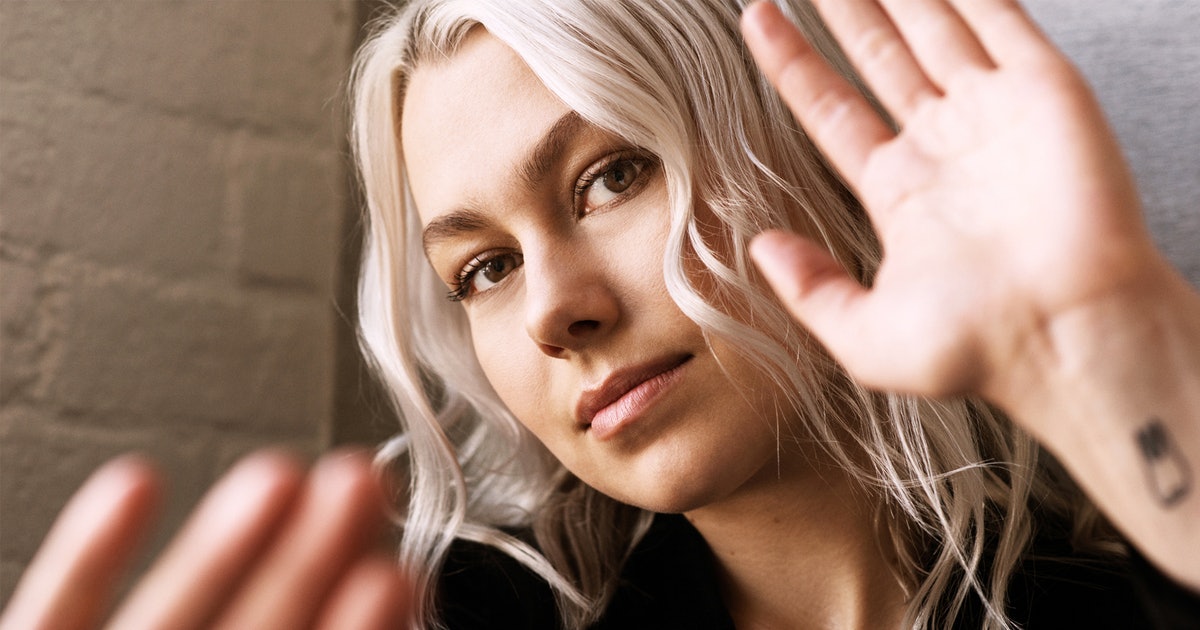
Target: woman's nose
[{"x": 568, "y": 303}]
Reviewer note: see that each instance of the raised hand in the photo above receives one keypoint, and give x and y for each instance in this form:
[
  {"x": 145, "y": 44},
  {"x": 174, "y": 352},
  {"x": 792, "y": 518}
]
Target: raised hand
[
  {"x": 1015, "y": 261},
  {"x": 268, "y": 547},
  {"x": 1002, "y": 202}
]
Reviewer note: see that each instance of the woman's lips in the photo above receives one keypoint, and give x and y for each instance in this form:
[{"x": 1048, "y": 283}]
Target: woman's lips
[{"x": 626, "y": 393}]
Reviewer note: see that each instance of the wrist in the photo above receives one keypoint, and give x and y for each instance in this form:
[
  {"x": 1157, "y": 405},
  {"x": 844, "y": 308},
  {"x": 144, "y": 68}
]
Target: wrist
[
  {"x": 1108, "y": 364},
  {"x": 1113, "y": 390}
]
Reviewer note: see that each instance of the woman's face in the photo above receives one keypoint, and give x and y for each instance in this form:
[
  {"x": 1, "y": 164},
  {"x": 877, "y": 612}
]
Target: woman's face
[{"x": 552, "y": 232}]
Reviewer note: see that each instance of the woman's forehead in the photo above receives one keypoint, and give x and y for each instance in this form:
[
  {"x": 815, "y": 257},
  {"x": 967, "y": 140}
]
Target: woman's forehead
[{"x": 469, "y": 119}]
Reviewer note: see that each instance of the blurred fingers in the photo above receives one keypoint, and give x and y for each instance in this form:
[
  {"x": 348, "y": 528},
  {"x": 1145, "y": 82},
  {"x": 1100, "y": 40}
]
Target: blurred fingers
[
  {"x": 939, "y": 38},
  {"x": 336, "y": 520},
  {"x": 813, "y": 286},
  {"x": 880, "y": 54},
  {"x": 372, "y": 596},
  {"x": 218, "y": 544},
  {"x": 838, "y": 118},
  {"x": 1006, "y": 31},
  {"x": 71, "y": 580}
]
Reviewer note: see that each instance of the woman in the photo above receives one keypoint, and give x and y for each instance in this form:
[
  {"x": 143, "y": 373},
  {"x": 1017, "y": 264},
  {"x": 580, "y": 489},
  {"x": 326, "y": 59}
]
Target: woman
[{"x": 558, "y": 290}]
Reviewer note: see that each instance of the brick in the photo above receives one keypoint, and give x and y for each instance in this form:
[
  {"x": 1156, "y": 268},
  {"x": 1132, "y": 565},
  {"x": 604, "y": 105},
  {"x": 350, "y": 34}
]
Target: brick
[
  {"x": 170, "y": 179},
  {"x": 19, "y": 346},
  {"x": 289, "y": 206},
  {"x": 274, "y": 64},
  {"x": 171, "y": 357},
  {"x": 44, "y": 40},
  {"x": 109, "y": 183}
]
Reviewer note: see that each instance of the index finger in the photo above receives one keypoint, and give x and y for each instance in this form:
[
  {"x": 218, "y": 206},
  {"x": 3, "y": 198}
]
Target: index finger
[{"x": 833, "y": 112}]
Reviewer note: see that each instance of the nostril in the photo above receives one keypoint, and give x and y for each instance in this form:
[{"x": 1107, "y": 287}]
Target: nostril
[
  {"x": 583, "y": 327},
  {"x": 554, "y": 352}
]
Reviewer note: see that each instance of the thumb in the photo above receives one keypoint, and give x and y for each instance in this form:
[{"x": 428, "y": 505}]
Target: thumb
[{"x": 814, "y": 287}]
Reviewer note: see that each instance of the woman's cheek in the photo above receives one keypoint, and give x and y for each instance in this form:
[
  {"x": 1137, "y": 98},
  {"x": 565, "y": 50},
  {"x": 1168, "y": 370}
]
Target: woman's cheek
[{"x": 510, "y": 361}]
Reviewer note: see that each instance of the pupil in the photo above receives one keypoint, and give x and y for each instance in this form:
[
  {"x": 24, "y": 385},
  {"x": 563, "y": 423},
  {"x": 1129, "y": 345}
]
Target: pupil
[
  {"x": 617, "y": 179},
  {"x": 495, "y": 270}
]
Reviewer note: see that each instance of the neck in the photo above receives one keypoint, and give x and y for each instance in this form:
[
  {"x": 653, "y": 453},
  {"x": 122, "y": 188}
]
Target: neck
[{"x": 797, "y": 547}]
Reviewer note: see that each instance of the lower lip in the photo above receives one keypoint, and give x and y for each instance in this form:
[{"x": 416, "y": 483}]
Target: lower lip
[{"x": 617, "y": 415}]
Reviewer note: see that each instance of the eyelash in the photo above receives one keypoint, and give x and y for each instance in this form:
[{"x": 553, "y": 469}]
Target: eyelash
[
  {"x": 462, "y": 281},
  {"x": 596, "y": 173},
  {"x": 461, "y": 286}
]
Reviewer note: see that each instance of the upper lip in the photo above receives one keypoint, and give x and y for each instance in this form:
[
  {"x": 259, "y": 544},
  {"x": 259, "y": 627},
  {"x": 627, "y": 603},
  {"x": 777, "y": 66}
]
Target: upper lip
[{"x": 619, "y": 382}]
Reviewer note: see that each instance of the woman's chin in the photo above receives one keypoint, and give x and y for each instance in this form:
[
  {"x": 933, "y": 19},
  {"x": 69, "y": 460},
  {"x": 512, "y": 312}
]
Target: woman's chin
[{"x": 660, "y": 482}]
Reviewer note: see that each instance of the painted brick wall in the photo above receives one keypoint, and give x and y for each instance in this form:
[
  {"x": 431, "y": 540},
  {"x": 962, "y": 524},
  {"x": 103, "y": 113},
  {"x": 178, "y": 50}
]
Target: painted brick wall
[{"x": 173, "y": 208}]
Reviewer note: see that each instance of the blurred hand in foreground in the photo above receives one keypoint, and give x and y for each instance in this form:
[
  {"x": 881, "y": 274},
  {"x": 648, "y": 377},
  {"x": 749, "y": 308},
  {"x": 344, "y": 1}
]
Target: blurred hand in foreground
[{"x": 269, "y": 547}]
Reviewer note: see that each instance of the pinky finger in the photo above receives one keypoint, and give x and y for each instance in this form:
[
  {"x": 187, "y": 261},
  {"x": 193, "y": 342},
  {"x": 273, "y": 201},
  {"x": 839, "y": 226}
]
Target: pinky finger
[
  {"x": 71, "y": 580},
  {"x": 372, "y": 596}
]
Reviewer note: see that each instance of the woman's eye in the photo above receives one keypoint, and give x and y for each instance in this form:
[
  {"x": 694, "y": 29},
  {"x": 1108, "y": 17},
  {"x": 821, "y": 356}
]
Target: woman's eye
[
  {"x": 493, "y": 271},
  {"x": 484, "y": 273},
  {"x": 612, "y": 182}
]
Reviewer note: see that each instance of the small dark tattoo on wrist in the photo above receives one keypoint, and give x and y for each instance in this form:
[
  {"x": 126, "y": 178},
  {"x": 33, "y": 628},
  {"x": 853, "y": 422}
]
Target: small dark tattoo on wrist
[{"x": 1167, "y": 470}]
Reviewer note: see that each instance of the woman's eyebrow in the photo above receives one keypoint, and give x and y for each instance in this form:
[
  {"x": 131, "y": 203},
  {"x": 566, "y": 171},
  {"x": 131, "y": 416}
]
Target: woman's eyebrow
[
  {"x": 533, "y": 169},
  {"x": 548, "y": 151},
  {"x": 450, "y": 225}
]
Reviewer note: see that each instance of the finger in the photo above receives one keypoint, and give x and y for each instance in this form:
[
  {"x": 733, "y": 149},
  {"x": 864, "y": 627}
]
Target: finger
[
  {"x": 940, "y": 39},
  {"x": 880, "y": 55},
  {"x": 1006, "y": 31},
  {"x": 70, "y": 582},
  {"x": 837, "y": 117},
  {"x": 811, "y": 284},
  {"x": 372, "y": 596},
  {"x": 335, "y": 521},
  {"x": 227, "y": 532}
]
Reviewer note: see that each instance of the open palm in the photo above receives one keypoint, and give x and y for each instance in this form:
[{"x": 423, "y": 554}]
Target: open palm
[{"x": 1002, "y": 203}]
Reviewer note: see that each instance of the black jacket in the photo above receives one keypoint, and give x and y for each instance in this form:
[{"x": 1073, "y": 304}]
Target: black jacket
[{"x": 670, "y": 582}]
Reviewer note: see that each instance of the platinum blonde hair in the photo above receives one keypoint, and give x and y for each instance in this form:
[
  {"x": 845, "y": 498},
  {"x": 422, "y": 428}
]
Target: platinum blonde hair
[{"x": 955, "y": 480}]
